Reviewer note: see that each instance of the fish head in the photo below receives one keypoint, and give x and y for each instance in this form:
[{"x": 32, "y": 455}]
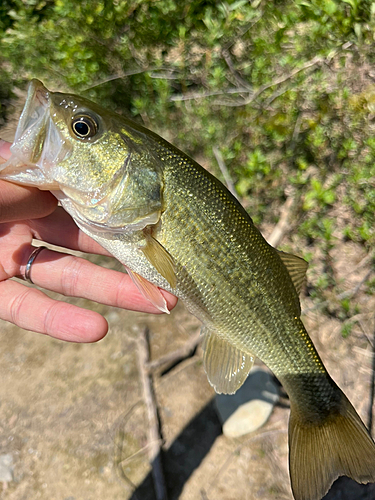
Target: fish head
[{"x": 93, "y": 160}]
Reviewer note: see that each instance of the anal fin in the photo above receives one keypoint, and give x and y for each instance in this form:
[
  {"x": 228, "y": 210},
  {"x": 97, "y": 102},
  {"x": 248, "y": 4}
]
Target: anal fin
[{"x": 227, "y": 367}]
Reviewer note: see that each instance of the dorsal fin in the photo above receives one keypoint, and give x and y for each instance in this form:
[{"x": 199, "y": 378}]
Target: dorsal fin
[
  {"x": 296, "y": 266},
  {"x": 227, "y": 367}
]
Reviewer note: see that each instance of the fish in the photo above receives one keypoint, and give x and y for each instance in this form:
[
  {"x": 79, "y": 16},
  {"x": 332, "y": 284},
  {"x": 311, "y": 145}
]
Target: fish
[{"x": 174, "y": 226}]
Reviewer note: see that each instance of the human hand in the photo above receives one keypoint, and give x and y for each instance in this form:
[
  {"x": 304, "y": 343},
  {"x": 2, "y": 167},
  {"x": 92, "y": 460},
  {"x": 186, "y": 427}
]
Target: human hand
[{"x": 27, "y": 214}]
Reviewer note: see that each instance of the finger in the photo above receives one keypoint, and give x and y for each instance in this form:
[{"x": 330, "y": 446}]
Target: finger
[
  {"x": 33, "y": 310},
  {"x": 60, "y": 229},
  {"x": 76, "y": 277},
  {"x": 5, "y": 149},
  {"x": 19, "y": 202}
]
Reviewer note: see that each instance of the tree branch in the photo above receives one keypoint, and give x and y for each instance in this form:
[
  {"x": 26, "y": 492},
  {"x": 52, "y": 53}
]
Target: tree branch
[
  {"x": 154, "y": 441},
  {"x": 223, "y": 169},
  {"x": 345, "y": 295},
  {"x": 172, "y": 358},
  {"x": 282, "y": 226},
  {"x": 246, "y": 89}
]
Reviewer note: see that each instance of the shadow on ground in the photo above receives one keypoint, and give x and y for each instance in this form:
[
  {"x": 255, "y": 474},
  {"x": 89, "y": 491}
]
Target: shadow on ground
[
  {"x": 185, "y": 454},
  {"x": 347, "y": 489},
  {"x": 193, "y": 444}
]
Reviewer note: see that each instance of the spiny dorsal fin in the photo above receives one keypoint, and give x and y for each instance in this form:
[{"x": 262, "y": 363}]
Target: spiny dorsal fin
[
  {"x": 149, "y": 291},
  {"x": 226, "y": 366},
  {"x": 158, "y": 256},
  {"x": 296, "y": 266}
]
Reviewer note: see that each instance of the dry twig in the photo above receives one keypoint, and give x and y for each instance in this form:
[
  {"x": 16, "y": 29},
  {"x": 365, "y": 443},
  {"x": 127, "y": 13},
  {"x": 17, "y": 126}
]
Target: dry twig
[
  {"x": 363, "y": 328},
  {"x": 240, "y": 81},
  {"x": 282, "y": 226},
  {"x": 316, "y": 60},
  {"x": 345, "y": 295},
  {"x": 246, "y": 90},
  {"x": 154, "y": 431},
  {"x": 124, "y": 74},
  {"x": 178, "y": 355},
  {"x": 223, "y": 169},
  {"x": 372, "y": 387},
  {"x": 209, "y": 93}
]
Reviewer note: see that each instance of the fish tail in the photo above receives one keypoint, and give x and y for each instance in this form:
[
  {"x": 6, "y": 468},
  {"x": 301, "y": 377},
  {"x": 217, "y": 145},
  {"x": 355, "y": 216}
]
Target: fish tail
[{"x": 340, "y": 445}]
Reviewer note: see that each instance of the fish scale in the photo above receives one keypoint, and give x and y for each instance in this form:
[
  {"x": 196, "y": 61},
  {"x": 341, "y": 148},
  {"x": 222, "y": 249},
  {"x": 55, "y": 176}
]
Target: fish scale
[
  {"x": 175, "y": 226},
  {"x": 239, "y": 292}
]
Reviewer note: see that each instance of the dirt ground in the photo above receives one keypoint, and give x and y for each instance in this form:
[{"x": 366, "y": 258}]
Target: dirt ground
[
  {"x": 73, "y": 419},
  {"x": 72, "y": 416}
]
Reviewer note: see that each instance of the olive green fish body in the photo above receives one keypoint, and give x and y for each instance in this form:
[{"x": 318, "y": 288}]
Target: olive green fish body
[
  {"x": 226, "y": 271},
  {"x": 175, "y": 226}
]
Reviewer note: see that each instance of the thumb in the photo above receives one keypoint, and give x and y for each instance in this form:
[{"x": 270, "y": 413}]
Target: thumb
[{"x": 20, "y": 202}]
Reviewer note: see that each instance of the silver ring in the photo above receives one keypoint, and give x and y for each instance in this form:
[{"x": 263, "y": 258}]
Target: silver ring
[{"x": 34, "y": 254}]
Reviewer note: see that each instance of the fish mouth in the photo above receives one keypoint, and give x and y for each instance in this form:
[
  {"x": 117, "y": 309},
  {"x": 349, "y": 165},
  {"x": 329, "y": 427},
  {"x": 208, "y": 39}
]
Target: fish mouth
[
  {"x": 36, "y": 102},
  {"x": 37, "y": 144},
  {"x": 30, "y": 135}
]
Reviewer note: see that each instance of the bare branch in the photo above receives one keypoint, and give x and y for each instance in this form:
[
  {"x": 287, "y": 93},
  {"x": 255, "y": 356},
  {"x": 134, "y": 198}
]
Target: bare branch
[
  {"x": 345, "y": 295},
  {"x": 241, "y": 81},
  {"x": 154, "y": 432},
  {"x": 372, "y": 387},
  {"x": 282, "y": 226},
  {"x": 223, "y": 169},
  {"x": 175, "y": 356},
  {"x": 124, "y": 74},
  {"x": 200, "y": 95},
  {"x": 136, "y": 453},
  {"x": 316, "y": 60},
  {"x": 246, "y": 89},
  {"x": 275, "y": 95},
  {"x": 364, "y": 331}
]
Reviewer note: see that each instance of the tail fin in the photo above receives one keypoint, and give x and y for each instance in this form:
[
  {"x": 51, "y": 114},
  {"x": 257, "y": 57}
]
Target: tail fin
[{"x": 319, "y": 454}]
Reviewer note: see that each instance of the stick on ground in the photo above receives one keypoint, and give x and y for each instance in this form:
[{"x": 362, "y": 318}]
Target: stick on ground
[
  {"x": 154, "y": 438},
  {"x": 176, "y": 356}
]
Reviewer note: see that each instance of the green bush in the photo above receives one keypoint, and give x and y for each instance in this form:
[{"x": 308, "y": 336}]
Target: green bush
[{"x": 283, "y": 88}]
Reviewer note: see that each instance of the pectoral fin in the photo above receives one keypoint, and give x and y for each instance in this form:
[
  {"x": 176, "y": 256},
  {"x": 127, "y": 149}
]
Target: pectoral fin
[
  {"x": 226, "y": 366},
  {"x": 149, "y": 291},
  {"x": 296, "y": 266},
  {"x": 162, "y": 261}
]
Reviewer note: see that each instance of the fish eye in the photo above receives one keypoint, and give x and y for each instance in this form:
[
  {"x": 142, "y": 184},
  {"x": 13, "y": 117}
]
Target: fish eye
[{"x": 84, "y": 126}]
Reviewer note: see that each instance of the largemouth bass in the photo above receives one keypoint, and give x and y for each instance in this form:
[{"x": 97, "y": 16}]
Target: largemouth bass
[{"x": 175, "y": 226}]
